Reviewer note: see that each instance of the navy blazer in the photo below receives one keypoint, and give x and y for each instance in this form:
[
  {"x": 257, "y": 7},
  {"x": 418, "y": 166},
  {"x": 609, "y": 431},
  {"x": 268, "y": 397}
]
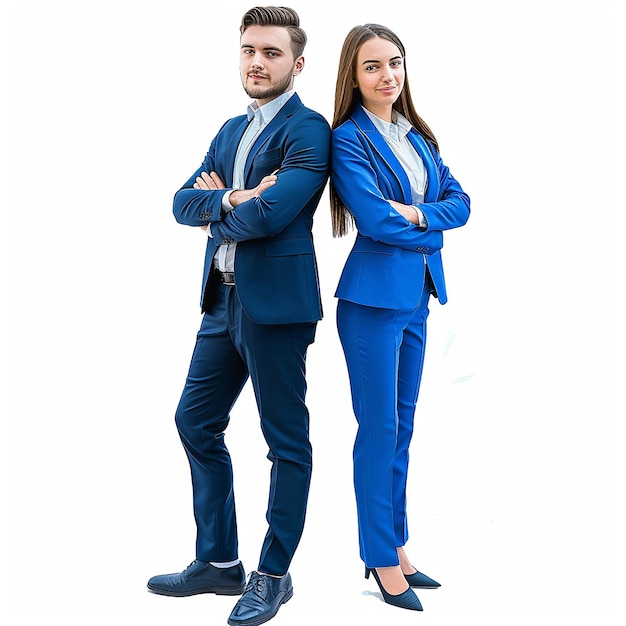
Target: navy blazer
[
  {"x": 386, "y": 267},
  {"x": 275, "y": 266}
]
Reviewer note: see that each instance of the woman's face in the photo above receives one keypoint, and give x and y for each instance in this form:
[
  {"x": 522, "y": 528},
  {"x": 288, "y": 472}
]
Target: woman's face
[{"x": 379, "y": 75}]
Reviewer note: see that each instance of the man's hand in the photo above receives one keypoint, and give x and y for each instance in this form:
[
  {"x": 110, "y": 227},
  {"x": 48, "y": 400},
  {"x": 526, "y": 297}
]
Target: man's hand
[
  {"x": 212, "y": 181},
  {"x": 209, "y": 181},
  {"x": 240, "y": 196}
]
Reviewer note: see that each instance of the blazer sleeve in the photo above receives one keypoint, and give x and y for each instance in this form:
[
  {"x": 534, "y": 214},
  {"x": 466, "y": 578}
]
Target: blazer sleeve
[
  {"x": 356, "y": 181},
  {"x": 303, "y": 174},
  {"x": 452, "y": 208},
  {"x": 198, "y": 207}
]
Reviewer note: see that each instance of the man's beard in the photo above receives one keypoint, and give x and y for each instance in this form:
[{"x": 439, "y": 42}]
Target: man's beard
[{"x": 273, "y": 91}]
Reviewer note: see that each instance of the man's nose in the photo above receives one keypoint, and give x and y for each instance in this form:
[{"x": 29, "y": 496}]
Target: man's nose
[{"x": 257, "y": 60}]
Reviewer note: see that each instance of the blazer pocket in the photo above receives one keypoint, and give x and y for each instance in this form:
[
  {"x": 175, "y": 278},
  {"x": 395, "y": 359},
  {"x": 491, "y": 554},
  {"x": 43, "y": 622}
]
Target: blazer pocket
[
  {"x": 365, "y": 244},
  {"x": 271, "y": 158},
  {"x": 288, "y": 247}
]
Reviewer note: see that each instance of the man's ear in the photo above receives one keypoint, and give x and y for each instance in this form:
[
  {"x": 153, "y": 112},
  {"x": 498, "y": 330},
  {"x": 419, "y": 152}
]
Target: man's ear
[{"x": 298, "y": 66}]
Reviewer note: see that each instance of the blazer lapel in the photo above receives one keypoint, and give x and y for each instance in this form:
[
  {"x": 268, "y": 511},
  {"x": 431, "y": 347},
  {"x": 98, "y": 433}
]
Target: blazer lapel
[
  {"x": 420, "y": 145},
  {"x": 366, "y": 126},
  {"x": 283, "y": 115},
  {"x": 230, "y": 151}
]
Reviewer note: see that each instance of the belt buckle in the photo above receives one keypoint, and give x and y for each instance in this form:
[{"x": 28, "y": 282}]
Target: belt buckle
[{"x": 228, "y": 278}]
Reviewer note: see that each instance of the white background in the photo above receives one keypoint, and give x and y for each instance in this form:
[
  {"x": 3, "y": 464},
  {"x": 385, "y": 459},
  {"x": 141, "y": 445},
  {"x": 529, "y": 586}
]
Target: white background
[{"x": 515, "y": 487}]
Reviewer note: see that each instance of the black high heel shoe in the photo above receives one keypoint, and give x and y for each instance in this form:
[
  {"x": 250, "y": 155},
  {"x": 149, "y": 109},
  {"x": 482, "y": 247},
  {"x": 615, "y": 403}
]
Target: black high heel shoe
[
  {"x": 421, "y": 581},
  {"x": 404, "y": 600}
]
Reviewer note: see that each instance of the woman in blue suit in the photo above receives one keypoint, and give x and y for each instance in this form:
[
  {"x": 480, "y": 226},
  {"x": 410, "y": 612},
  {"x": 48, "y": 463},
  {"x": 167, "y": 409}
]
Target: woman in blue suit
[{"x": 389, "y": 180}]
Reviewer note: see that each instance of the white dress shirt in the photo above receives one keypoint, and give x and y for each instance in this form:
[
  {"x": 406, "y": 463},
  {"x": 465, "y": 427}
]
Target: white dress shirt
[{"x": 259, "y": 118}]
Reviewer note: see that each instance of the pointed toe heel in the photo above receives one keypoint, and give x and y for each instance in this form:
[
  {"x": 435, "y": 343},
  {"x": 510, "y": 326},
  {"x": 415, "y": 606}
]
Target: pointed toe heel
[
  {"x": 405, "y": 600},
  {"x": 421, "y": 581}
]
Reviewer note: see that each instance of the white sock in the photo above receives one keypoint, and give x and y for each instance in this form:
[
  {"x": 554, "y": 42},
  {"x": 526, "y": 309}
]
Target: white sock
[{"x": 225, "y": 565}]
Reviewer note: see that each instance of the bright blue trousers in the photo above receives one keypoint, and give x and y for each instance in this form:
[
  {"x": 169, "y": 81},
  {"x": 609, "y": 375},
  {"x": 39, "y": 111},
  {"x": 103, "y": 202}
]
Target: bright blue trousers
[{"x": 384, "y": 351}]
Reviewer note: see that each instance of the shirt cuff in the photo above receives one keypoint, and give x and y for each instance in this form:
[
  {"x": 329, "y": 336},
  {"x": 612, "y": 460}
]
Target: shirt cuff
[
  {"x": 422, "y": 221},
  {"x": 226, "y": 205}
]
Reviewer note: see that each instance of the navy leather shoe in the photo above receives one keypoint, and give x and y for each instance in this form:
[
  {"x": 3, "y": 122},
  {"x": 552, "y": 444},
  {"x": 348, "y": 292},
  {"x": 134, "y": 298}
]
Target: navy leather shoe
[
  {"x": 261, "y": 600},
  {"x": 200, "y": 577},
  {"x": 421, "y": 581}
]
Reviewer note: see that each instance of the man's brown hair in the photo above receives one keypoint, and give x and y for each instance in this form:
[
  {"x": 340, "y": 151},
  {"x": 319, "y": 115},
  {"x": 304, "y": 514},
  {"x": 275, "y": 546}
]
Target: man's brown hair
[{"x": 277, "y": 16}]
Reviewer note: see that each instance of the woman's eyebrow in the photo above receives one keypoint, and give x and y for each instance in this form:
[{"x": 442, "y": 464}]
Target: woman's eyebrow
[{"x": 377, "y": 61}]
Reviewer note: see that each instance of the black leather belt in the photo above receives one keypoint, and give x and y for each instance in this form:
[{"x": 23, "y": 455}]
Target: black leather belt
[{"x": 227, "y": 278}]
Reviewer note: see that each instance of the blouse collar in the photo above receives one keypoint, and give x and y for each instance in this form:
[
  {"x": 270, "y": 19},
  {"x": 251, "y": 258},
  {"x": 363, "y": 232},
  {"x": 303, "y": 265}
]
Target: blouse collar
[{"x": 396, "y": 130}]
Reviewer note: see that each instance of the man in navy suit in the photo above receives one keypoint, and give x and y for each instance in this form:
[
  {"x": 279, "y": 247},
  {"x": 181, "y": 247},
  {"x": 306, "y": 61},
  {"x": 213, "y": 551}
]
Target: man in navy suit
[{"x": 254, "y": 195}]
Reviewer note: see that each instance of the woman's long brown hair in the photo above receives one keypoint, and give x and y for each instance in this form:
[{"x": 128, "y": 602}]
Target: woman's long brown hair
[{"x": 347, "y": 97}]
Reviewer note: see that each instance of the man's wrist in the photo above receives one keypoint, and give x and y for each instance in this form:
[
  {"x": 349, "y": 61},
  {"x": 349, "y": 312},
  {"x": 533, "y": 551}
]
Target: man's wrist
[{"x": 226, "y": 203}]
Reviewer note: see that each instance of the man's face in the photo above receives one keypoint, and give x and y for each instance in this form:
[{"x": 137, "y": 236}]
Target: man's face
[{"x": 267, "y": 65}]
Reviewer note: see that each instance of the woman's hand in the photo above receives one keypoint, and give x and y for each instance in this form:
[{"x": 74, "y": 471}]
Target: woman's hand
[{"x": 406, "y": 210}]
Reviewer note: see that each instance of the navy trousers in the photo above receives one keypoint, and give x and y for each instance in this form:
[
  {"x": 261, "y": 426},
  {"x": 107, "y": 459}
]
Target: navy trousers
[
  {"x": 384, "y": 351},
  {"x": 229, "y": 349}
]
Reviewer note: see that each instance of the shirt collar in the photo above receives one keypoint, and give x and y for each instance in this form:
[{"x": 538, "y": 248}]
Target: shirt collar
[
  {"x": 396, "y": 130},
  {"x": 268, "y": 111}
]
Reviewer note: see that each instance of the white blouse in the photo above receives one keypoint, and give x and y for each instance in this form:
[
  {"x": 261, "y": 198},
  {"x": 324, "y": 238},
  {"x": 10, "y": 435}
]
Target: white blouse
[{"x": 395, "y": 134}]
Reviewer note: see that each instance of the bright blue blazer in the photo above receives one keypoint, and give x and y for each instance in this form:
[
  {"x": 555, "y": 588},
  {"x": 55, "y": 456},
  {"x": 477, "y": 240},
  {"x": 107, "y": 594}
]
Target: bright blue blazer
[
  {"x": 276, "y": 272},
  {"x": 386, "y": 267}
]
